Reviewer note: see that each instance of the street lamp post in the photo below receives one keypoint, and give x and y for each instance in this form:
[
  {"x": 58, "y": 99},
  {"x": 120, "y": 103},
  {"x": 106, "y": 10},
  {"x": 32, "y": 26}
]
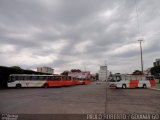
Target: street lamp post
[{"x": 140, "y": 41}]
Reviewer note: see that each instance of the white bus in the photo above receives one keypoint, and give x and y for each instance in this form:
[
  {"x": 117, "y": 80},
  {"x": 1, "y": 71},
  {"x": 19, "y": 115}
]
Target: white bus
[
  {"x": 131, "y": 81},
  {"x": 31, "y": 80}
]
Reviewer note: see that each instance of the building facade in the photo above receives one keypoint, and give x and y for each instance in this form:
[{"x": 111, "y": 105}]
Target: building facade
[
  {"x": 156, "y": 63},
  {"x": 80, "y": 75},
  {"x": 103, "y": 73},
  {"x": 47, "y": 70}
]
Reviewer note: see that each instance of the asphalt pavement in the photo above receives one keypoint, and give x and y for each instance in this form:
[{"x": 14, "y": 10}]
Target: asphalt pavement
[{"x": 81, "y": 99}]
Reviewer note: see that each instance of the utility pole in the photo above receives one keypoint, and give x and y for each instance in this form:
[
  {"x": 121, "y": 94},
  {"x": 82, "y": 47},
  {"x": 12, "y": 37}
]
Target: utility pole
[
  {"x": 105, "y": 111},
  {"x": 140, "y": 41},
  {"x": 105, "y": 64}
]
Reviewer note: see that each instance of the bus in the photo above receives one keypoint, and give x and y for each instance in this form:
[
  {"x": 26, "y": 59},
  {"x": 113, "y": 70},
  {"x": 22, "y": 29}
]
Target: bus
[
  {"x": 131, "y": 81},
  {"x": 82, "y": 78},
  {"x": 84, "y": 81},
  {"x": 33, "y": 80}
]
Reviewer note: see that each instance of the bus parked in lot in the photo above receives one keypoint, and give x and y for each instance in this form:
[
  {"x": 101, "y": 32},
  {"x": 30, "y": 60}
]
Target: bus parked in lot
[
  {"x": 131, "y": 81},
  {"x": 82, "y": 78},
  {"x": 82, "y": 81},
  {"x": 30, "y": 80},
  {"x": 85, "y": 81}
]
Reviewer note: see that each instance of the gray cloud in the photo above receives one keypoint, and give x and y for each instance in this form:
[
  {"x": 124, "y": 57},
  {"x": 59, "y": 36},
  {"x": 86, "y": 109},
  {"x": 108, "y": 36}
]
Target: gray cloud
[{"x": 70, "y": 34}]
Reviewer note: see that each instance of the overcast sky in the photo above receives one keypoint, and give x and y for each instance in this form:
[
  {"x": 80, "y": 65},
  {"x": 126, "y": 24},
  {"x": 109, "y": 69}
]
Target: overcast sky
[{"x": 83, "y": 34}]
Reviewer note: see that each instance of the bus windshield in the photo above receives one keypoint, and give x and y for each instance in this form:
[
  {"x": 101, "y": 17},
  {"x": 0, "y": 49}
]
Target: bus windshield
[{"x": 115, "y": 78}]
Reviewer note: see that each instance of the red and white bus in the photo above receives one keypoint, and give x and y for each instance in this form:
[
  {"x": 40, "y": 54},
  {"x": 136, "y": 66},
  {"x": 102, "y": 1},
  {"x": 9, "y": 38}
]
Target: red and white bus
[
  {"x": 131, "y": 81},
  {"x": 82, "y": 78},
  {"x": 30, "y": 80}
]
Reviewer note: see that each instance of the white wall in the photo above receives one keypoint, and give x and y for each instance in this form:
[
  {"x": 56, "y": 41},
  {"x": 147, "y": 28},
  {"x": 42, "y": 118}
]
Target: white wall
[{"x": 103, "y": 73}]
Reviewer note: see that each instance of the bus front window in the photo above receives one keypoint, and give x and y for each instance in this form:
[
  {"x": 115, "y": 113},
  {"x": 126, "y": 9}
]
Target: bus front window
[{"x": 118, "y": 78}]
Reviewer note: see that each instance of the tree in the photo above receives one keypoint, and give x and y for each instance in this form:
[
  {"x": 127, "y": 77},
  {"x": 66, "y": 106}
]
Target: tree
[
  {"x": 155, "y": 71},
  {"x": 97, "y": 76},
  {"x": 65, "y": 72},
  {"x": 137, "y": 72},
  {"x": 75, "y": 70},
  {"x": 16, "y": 67}
]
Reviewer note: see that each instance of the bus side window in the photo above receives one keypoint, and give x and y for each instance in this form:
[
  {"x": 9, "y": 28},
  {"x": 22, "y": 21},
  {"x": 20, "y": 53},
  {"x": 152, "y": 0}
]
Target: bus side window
[
  {"x": 11, "y": 79},
  {"x": 64, "y": 77},
  {"x": 58, "y": 78},
  {"x": 52, "y": 78},
  {"x": 69, "y": 78},
  {"x": 118, "y": 78},
  {"x": 16, "y": 78},
  {"x": 55, "y": 78},
  {"x": 37, "y": 77},
  {"x": 34, "y": 77},
  {"x": 30, "y": 77},
  {"x": 20, "y": 78},
  {"x": 27, "y": 78},
  {"x": 40, "y": 78},
  {"x": 45, "y": 77},
  {"x": 48, "y": 77}
]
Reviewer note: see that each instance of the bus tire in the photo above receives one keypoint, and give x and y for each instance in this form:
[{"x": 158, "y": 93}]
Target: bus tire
[
  {"x": 18, "y": 85},
  {"x": 46, "y": 85},
  {"x": 144, "y": 86},
  {"x": 124, "y": 86}
]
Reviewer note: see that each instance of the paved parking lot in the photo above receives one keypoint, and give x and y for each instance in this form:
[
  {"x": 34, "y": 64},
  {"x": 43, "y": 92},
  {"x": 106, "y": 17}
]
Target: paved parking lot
[{"x": 78, "y": 100}]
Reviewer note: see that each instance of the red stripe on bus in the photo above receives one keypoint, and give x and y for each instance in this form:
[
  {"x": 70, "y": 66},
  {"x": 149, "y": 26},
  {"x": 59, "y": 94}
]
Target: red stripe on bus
[
  {"x": 67, "y": 83},
  {"x": 133, "y": 83},
  {"x": 87, "y": 82},
  {"x": 152, "y": 82},
  {"x": 52, "y": 83}
]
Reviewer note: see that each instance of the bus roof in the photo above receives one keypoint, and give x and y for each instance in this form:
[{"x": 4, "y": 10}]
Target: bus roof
[{"x": 36, "y": 75}]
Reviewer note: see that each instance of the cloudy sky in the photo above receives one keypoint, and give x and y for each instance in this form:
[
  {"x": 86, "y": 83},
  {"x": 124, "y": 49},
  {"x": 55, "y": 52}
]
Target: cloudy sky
[{"x": 84, "y": 34}]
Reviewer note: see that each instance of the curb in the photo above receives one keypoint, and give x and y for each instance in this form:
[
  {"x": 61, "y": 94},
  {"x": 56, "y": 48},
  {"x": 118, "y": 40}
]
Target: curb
[{"x": 154, "y": 88}]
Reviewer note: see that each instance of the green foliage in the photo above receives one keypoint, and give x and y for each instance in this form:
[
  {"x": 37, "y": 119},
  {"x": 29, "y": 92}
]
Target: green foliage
[
  {"x": 97, "y": 76},
  {"x": 75, "y": 70},
  {"x": 72, "y": 70},
  {"x": 65, "y": 72},
  {"x": 155, "y": 71},
  {"x": 16, "y": 67},
  {"x": 137, "y": 72}
]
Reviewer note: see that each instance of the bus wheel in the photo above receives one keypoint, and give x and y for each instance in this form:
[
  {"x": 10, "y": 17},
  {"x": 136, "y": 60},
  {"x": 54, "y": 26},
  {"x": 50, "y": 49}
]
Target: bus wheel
[
  {"x": 18, "y": 85},
  {"x": 144, "y": 86},
  {"x": 46, "y": 86},
  {"x": 124, "y": 86}
]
